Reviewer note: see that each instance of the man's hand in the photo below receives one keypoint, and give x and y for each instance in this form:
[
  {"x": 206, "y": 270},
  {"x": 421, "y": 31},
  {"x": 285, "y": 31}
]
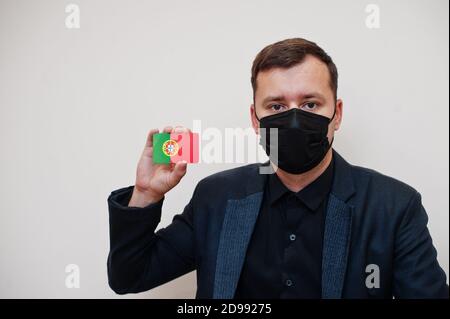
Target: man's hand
[{"x": 154, "y": 180}]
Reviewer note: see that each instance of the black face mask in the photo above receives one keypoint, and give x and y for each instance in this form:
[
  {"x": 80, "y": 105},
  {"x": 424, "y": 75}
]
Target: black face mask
[{"x": 302, "y": 139}]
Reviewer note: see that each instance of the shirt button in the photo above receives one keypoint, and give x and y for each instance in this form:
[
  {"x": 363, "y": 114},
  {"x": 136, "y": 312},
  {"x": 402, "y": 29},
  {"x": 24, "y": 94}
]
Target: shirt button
[
  {"x": 288, "y": 282},
  {"x": 292, "y": 237}
]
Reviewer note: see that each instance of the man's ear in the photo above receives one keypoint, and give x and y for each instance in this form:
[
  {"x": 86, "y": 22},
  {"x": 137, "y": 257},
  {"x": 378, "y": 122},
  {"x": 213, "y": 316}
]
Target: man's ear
[
  {"x": 338, "y": 116},
  {"x": 255, "y": 122}
]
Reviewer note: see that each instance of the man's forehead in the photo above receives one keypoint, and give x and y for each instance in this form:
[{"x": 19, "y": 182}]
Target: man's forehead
[{"x": 310, "y": 76}]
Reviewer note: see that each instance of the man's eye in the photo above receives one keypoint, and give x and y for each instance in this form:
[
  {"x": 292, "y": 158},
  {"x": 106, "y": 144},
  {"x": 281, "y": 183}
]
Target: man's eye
[
  {"x": 310, "y": 106},
  {"x": 276, "y": 107}
]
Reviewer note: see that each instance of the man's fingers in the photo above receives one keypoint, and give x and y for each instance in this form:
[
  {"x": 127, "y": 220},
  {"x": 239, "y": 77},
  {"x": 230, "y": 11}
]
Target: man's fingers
[
  {"x": 178, "y": 171},
  {"x": 149, "y": 141},
  {"x": 181, "y": 129},
  {"x": 168, "y": 129}
]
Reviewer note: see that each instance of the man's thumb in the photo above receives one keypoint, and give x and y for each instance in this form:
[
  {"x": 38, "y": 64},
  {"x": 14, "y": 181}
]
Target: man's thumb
[{"x": 179, "y": 170}]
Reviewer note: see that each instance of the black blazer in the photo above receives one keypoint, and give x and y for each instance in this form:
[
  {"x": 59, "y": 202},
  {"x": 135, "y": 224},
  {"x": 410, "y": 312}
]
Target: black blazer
[{"x": 374, "y": 225}]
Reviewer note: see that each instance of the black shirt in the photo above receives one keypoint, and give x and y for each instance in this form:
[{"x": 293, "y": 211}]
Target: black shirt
[{"x": 284, "y": 256}]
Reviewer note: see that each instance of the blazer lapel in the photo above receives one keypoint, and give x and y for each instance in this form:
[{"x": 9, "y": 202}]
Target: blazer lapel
[
  {"x": 237, "y": 227},
  {"x": 337, "y": 234},
  {"x": 239, "y": 220}
]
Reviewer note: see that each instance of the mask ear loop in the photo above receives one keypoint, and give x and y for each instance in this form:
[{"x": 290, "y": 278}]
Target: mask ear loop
[
  {"x": 334, "y": 113},
  {"x": 254, "y": 108}
]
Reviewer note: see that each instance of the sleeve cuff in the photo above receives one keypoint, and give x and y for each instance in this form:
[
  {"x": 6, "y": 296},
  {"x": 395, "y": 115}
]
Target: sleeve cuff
[{"x": 118, "y": 205}]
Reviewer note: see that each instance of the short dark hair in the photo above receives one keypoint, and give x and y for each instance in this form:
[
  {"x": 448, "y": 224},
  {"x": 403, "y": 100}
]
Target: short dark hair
[{"x": 290, "y": 52}]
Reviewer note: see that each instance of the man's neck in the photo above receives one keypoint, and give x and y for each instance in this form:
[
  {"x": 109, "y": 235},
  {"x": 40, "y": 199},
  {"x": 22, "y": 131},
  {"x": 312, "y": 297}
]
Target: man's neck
[{"x": 296, "y": 182}]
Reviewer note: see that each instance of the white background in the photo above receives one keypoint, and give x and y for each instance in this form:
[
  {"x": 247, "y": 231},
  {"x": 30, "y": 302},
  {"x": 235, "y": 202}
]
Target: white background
[{"x": 76, "y": 105}]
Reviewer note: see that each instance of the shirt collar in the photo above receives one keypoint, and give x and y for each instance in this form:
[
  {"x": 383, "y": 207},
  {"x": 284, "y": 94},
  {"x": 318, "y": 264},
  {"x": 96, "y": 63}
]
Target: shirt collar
[{"x": 312, "y": 195}]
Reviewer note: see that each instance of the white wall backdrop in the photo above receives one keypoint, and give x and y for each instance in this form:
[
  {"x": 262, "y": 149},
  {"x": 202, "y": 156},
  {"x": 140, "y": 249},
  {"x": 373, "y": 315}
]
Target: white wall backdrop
[{"x": 76, "y": 104}]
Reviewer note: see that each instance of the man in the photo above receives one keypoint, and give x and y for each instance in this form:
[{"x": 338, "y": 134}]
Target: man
[{"x": 317, "y": 228}]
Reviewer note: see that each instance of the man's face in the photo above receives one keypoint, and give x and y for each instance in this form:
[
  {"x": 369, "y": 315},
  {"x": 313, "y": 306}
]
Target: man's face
[{"x": 305, "y": 86}]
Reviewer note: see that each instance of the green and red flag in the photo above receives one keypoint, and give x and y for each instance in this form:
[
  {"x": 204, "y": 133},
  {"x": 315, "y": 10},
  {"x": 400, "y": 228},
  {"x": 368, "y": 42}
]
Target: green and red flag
[{"x": 175, "y": 147}]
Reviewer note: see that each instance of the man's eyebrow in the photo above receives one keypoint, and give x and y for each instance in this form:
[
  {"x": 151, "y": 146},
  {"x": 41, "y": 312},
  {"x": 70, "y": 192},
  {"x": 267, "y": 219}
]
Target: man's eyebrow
[
  {"x": 314, "y": 95},
  {"x": 279, "y": 98}
]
